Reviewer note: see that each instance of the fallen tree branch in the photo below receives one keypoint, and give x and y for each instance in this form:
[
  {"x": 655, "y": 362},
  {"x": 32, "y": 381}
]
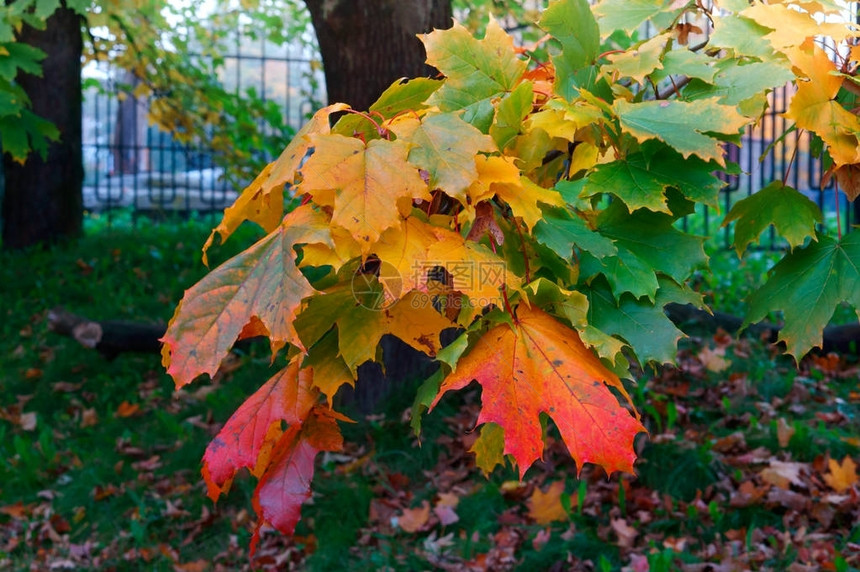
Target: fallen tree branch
[
  {"x": 111, "y": 338},
  {"x": 841, "y": 339}
]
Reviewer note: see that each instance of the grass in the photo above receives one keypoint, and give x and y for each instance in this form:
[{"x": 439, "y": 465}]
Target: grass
[{"x": 107, "y": 478}]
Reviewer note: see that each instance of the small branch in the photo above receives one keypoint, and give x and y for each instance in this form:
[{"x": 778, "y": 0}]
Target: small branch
[{"x": 676, "y": 87}]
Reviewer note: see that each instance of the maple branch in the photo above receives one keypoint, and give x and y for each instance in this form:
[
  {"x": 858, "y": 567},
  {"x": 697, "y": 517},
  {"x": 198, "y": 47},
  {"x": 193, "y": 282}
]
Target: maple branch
[
  {"x": 849, "y": 86},
  {"x": 676, "y": 87}
]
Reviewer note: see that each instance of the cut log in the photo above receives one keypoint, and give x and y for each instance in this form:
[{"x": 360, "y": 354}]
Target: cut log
[
  {"x": 110, "y": 338},
  {"x": 403, "y": 364},
  {"x": 843, "y": 339}
]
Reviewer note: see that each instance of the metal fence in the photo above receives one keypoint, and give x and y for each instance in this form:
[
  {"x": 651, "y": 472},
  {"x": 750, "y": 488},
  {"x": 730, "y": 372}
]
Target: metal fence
[
  {"x": 764, "y": 157},
  {"x": 135, "y": 168},
  {"x": 146, "y": 171}
]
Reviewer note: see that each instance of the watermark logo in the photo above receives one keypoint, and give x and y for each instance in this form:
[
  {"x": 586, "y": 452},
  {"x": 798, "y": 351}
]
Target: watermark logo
[{"x": 377, "y": 285}]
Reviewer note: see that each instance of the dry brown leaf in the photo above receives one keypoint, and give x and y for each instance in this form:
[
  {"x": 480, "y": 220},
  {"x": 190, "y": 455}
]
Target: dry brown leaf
[
  {"x": 784, "y": 432},
  {"x": 89, "y": 417},
  {"x": 445, "y": 514},
  {"x": 626, "y": 533},
  {"x": 842, "y": 475},
  {"x": 32, "y": 373},
  {"x": 545, "y": 508},
  {"x": 27, "y": 421},
  {"x": 18, "y": 510},
  {"x": 541, "y": 538},
  {"x": 448, "y": 499},
  {"x": 127, "y": 409},
  {"x": 783, "y": 474},
  {"x": 848, "y": 178},
  {"x": 714, "y": 360},
  {"x": 413, "y": 519},
  {"x": 196, "y": 566}
]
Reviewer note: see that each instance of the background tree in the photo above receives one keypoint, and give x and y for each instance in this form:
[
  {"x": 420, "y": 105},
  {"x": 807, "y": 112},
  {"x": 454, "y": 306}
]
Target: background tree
[
  {"x": 367, "y": 44},
  {"x": 42, "y": 198}
]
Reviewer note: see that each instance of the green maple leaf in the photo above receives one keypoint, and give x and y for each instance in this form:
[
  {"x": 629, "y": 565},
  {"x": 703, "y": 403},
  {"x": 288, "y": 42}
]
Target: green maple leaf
[
  {"x": 641, "y": 61},
  {"x": 489, "y": 448},
  {"x": 476, "y": 70},
  {"x": 647, "y": 244},
  {"x": 742, "y": 85},
  {"x": 807, "y": 285},
  {"x": 401, "y": 96},
  {"x": 445, "y": 146},
  {"x": 628, "y": 15},
  {"x": 641, "y": 181},
  {"x": 412, "y": 319},
  {"x": 792, "y": 214},
  {"x": 513, "y": 108},
  {"x": 641, "y": 323},
  {"x": 572, "y": 23},
  {"x": 330, "y": 372},
  {"x": 686, "y": 63},
  {"x": 321, "y": 312},
  {"x": 561, "y": 231},
  {"x": 682, "y": 124},
  {"x": 743, "y": 36}
]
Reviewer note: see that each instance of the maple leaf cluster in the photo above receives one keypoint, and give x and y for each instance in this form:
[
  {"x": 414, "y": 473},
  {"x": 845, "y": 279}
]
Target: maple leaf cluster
[{"x": 530, "y": 206}]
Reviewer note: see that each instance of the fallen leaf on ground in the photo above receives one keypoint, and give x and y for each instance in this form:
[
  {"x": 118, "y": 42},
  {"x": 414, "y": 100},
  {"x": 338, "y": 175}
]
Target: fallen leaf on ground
[
  {"x": 714, "y": 360},
  {"x": 89, "y": 417},
  {"x": 842, "y": 475},
  {"x": 27, "y": 421},
  {"x": 626, "y": 533},
  {"x": 127, "y": 409},
  {"x": 783, "y": 474},
  {"x": 541, "y": 538},
  {"x": 546, "y": 507},
  {"x": 784, "y": 432},
  {"x": 413, "y": 519}
]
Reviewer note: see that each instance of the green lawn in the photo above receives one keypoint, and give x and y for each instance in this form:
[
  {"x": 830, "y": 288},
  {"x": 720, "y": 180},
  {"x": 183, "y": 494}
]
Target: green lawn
[{"x": 99, "y": 460}]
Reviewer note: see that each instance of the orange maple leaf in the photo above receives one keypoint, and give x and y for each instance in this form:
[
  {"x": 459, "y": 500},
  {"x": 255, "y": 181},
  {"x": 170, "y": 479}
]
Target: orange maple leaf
[
  {"x": 263, "y": 200},
  {"x": 370, "y": 186},
  {"x": 542, "y": 366},
  {"x": 262, "y": 283}
]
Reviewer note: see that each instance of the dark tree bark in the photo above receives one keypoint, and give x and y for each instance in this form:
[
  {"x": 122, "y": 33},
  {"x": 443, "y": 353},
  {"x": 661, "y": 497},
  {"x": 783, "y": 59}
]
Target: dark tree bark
[
  {"x": 365, "y": 46},
  {"x": 43, "y": 198},
  {"x": 368, "y": 44}
]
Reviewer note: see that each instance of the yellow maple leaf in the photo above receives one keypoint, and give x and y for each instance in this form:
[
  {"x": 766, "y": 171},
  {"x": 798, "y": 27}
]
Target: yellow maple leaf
[
  {"x": 842, "y": 475},
  {"x": 370, "y": 186},
  {"x": 262, "y": 201},
  {"x": 491, "y": 172},
  {"x": 814, "y": 108},
  {"x": 791, "y": 27}
]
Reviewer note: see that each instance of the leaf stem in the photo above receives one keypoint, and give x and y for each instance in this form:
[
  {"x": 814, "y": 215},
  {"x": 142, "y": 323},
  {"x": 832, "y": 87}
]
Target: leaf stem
[
  {"x": 523, "y": 249},
  {"x": 791, "y": 160},
  {"x": 836, "y": 202},
  {"x": 507, "y": 302},
  {"x": 383, "y": 132}
]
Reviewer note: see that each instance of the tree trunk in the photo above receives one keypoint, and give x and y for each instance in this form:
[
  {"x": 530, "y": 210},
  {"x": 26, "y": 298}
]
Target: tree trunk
[
  {"x": 368, "y": 44},
  {"x": 43, "y": 198}
]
